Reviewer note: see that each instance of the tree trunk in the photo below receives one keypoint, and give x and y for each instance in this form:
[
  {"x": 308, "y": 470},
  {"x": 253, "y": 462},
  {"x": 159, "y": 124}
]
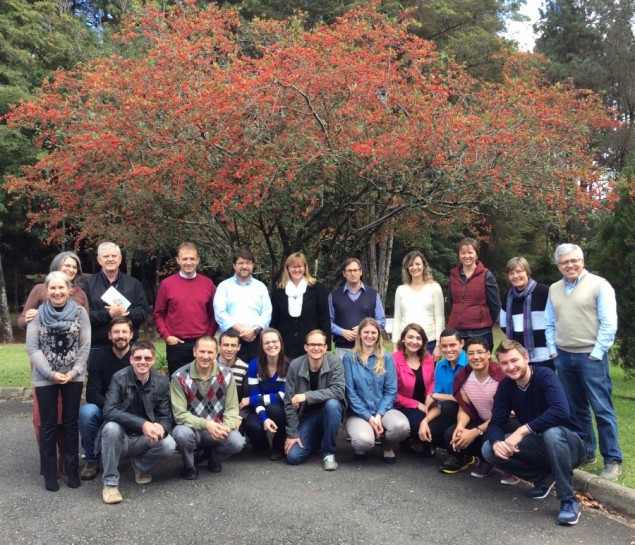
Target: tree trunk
[
  {"x": 7, "y": 330},
  {"x": 376, "y": 259}
]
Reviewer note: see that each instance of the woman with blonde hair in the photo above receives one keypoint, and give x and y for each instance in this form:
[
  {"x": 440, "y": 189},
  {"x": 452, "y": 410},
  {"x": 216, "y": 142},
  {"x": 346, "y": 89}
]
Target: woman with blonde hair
[
  {"x": 419, "y": 300},
  {"x": 299, "y": 305},
  {"x": 371, "y": 391}
]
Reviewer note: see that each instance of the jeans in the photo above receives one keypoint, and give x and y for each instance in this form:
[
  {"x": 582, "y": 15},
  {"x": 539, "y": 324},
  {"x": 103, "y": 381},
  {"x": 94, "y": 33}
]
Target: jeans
[
  {"x": 257, "y": 434},
  {"x": 188, "y": 440},
  {"x": 179, "y": 355},
  {"x": 117, "y": 444},
  {"x": 90, "y": 419},
  {"x": 555, "y": 454},
  {"x": 587, "y": 382},
  {"x": 47, "y": 397},
  {"x": 318, "y": 429},
  {"x": 396, "y": 429}
]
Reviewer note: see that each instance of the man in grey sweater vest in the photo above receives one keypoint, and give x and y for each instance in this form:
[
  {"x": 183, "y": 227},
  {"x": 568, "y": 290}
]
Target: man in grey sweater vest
[{"x": 581, "y": 322}]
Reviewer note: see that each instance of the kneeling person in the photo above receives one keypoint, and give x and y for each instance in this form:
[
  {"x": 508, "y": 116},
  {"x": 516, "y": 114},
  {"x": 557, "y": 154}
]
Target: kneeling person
[
  {"x": 314, "y": 402},
  {"x": 137, "y": 421},
  {"x": 205, "y": 408},
  {"x": 547, "y": 446}
]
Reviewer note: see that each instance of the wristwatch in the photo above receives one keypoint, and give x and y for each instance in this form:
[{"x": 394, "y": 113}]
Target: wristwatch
[{"x": 479, "y": 430}]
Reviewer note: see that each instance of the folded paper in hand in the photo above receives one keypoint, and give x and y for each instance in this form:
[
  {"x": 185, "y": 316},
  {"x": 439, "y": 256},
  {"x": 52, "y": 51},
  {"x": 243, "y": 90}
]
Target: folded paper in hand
[{"x": 113, "y": 297}]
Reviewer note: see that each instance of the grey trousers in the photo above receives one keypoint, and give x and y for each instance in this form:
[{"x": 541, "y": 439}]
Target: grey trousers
[
  {"x": 117, "y": 444},
  {"x": 396, "y": 426},
  {"x": 188, "y": 440}
]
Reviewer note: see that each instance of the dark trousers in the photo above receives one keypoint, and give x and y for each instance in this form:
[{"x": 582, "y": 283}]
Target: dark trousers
[
  {"x": 474, "y": 449},
  {"x": 248, "y": 351},
  {"x": 447, "y": 418},
  {"x": 179, "y": 355},
  {"x": 71, "y": 394},
  {"x": 258, "y": 436}
]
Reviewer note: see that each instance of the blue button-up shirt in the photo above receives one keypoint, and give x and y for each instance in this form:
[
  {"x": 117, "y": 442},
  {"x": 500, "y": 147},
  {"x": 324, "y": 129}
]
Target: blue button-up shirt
[{"x": 246, "y": 304}]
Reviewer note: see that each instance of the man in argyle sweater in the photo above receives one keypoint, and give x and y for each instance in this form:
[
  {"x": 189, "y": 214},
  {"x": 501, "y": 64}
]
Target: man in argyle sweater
[{"x": 205, "y": 408}]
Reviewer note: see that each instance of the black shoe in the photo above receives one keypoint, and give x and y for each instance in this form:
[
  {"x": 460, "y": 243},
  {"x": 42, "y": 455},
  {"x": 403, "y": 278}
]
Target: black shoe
[
  {"x": 212, "y": 465},
  {"x": 190, "y": 473},
  {"x": 276, "y": 455},
  {"x": 406, "y": 447},
  {"x": 72, "y": 481},
  {"x": 199, "y": 456},
  {"x": 428, "y": 451},
  {"x": 51, "y": 484}
]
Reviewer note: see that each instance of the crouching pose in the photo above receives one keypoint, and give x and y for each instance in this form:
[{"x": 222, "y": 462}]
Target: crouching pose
[
  {"x": 137, "y": 421},
  {"x": 205, "y": 408},
  {"x": 546, "y": 447}
]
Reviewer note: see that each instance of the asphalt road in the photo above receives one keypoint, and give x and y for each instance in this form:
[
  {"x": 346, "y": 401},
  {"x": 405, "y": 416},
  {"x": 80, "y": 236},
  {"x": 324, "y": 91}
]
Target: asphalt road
[{"x": 255, "y": 501}]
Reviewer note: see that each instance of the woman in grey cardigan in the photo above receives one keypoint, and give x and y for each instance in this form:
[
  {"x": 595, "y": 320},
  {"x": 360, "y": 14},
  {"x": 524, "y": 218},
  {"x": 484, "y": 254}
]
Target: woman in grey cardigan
[{"x": 58, "y": 343}]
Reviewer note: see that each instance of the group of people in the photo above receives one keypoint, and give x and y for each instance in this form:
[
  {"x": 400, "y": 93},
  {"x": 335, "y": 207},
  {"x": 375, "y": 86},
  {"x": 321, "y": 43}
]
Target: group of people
[{"x": 270, "y": 375}]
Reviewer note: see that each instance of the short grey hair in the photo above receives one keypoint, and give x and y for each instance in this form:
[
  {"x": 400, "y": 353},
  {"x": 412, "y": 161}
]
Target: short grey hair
[
  {"x": 59, "y": 259},
  {"x": 57, "y": 275},
  {"x": 105, "y": 245},
  {"x": 567, "y": 249}
]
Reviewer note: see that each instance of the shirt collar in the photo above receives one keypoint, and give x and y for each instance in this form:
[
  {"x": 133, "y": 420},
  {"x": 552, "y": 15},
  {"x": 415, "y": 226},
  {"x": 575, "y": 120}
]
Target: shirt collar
[
  {"x": 575, "y": 282},
  {"x": 186, "y": 277},
  {"x": 361, "y": 288},
  {"x": 240, "y": 283}
]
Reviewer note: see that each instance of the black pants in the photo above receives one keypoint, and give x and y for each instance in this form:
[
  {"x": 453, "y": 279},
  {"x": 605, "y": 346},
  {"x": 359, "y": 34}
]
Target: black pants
[
  {"x": 47, "y": 398},
  {"x": 248, "y": 351},
  {"x": 447, "y": 418},
  {"x": 258, "y": 436},
  {"x": 180, "y": 354}
]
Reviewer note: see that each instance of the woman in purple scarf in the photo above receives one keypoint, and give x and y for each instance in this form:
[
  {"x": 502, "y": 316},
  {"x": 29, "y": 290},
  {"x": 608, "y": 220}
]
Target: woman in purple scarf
[{"x": 522, "y": 316}]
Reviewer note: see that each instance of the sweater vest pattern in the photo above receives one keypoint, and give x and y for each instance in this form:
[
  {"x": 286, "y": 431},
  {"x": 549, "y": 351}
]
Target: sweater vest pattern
[{"x": 212, "y": 406}]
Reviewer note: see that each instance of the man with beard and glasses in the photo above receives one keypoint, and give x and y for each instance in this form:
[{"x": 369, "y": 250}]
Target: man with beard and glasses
[{"x": 103, "y": 365}]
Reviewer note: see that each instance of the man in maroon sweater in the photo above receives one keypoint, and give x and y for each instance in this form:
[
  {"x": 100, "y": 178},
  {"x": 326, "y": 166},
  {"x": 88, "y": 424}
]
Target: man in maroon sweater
[{"x": 183, "y": 311}]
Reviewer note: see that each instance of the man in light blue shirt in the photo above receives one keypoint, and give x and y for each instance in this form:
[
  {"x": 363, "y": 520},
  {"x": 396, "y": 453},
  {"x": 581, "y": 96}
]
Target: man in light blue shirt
[
  {"x": 581, "y": 322},
  {"x": 242, "y": 303}
]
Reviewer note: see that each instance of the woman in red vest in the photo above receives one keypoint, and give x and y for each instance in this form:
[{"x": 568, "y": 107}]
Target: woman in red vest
[{"x": 473, "y": 295}]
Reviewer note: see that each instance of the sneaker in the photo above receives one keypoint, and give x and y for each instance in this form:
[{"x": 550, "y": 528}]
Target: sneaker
[
  {"x": 509, "y": 480},
  {"x": 612, "y": 470},
  {"x": 329, "y": 463},
  {"x": 589, "y": 460},
  {"x": 139, "y": 478},
  {"x": 190, "y": 473},
  {"x": 569, "y": 512},
  {"x": 427, "y": 450},
  {"x": 541, "y": 491},
  {"x": 483, "y": 469},
  {"x": 111, "y": 494},
  {"x": 89, "y": 471},
  {"x": 455, "y": 464}
]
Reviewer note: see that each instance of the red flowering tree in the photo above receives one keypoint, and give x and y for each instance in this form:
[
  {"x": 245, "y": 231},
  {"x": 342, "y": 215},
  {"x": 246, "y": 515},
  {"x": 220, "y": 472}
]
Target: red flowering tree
[{"x": 272, "y": 136}]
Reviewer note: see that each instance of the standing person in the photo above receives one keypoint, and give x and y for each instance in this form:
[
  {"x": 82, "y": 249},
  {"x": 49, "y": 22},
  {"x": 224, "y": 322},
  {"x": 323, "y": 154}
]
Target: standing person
[
  {"x": 184, "y": 309},
  {"x": 350, "y": 304},
  {"x": 523, "y": 314},
  {"x": 58, "y": 343},
  {"x": 266, "y": 379},
  {"x": 371, "y": 391},
  {"x": 473, "y": 295},
  {"x": 70, "y": 265},
  {"x": 415, "y": 382},
  {"x": 314, "y": 403},
  {"x": 419, "y": 300},
  {"x": 205, "y": 408},
  {"x": 547, "y": 447},
  {"x": 103, "y": 365},
  {"x": 242, "y": 303},
  {"x": 96, "y": 285},
  {"x": 581, "y": 322},
  {"x": 300, "y": 304},
  {"x": 137, "y": 421}
]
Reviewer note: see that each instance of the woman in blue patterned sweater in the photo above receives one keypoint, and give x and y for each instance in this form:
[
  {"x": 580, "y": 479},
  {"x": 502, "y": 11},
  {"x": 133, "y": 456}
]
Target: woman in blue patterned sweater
[{"x": 265, "y": 378}]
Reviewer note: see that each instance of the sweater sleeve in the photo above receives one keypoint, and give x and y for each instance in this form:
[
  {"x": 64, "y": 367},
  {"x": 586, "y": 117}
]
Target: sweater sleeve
[
  {"x": 81, "y": 361},
  {"x": 439, "y": 311},
  {"x": 36, "y": 355},
  {"x": 34, "y": 300},
  {"x": 396, "y": 324},
  {"x": 493, "y": 296}
]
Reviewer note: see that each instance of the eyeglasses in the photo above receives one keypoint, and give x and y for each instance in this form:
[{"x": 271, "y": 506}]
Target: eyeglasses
[
  {"x": 569, "y": 262},
  {"x": 352, "y": 270},
  {"x": 142, "y": 358},
  {"x": 315, "y": 345},
  {"x": 476, "y": 353}
]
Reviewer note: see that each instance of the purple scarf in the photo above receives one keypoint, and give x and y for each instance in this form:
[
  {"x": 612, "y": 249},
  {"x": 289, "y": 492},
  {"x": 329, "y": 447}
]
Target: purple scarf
[{"x": 528, "y": 330}]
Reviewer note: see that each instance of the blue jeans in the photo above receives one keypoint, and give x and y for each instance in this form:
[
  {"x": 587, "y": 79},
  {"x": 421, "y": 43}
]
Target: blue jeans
[
  {"x": 587, "y": 382},
  {"x": 90, "y": 419},
  {"x": 318, "y": 429},
  {"x": 117, "y": 444},
  {"x": 556, "y": 453}
]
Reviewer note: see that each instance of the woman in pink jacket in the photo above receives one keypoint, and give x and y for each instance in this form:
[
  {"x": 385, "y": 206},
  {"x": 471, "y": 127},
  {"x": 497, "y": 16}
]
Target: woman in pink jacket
[{"x": 415, "y": 382}]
